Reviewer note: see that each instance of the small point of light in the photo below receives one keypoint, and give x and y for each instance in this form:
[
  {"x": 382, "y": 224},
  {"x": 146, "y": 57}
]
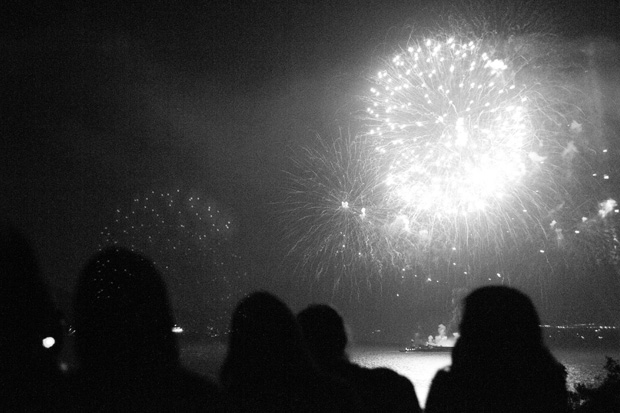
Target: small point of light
[
  {"x": 499, "y": 275},
  {"x": 542, "y": 251},
  {"x": 48, "y": 342}
]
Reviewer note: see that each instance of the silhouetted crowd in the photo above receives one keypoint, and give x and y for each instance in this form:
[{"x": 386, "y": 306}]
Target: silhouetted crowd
[{"x": 128, "y": 356}]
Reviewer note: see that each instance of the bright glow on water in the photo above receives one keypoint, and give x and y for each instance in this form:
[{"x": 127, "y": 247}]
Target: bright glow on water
[{"x": 419, "y": 368}]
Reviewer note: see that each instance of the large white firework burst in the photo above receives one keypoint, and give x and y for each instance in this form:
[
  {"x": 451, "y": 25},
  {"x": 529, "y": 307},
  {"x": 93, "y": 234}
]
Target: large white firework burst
[
  {"x": 468, "y": 163},
  {"x": 471, "y": 157}
]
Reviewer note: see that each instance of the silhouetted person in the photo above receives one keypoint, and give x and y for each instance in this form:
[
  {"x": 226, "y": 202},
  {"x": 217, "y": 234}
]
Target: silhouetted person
[
  {"x": 30, "y": 335},
  {"x": 499, "y": 363},
  {"x": 380, "y": 389},
  {"x": 268, "y": 368},
  {"x": 127, "y": 353}
]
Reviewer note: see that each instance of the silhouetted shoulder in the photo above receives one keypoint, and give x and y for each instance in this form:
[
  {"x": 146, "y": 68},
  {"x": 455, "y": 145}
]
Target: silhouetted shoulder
[
  {"x": 146, "y": 391},
  {"x": 201, "y": 390},
  {"x": 346, "y": 396},
  {"x": 443, "y": 396},
  {"x": 396, "y": 392},
  {"x": 194, "y": 393}
]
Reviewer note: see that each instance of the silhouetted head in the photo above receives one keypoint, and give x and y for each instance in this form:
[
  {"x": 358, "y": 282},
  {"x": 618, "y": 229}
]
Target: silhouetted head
[
  {"x": 122, "y": 314},
  {"x": 500, "y": 363},
  {"x": 30, "y": 329},
  {"x": 264, "y": 339},
  {"x": 324, "y": 331},
  {"x": 499, "y": 331},
  {"x": 500, "y": 315}
]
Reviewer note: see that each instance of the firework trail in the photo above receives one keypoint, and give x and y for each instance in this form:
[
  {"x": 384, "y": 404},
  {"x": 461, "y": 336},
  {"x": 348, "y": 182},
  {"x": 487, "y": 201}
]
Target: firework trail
[{"x": 190, "y": 239}]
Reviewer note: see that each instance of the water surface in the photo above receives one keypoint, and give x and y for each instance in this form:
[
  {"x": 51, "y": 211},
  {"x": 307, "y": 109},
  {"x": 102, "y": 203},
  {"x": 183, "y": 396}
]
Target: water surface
[{"x": 583, "y": 366}]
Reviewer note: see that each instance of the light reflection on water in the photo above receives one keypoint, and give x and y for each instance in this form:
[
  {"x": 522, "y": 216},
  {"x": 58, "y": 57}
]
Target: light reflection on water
[{"x": 420, "y": 368}]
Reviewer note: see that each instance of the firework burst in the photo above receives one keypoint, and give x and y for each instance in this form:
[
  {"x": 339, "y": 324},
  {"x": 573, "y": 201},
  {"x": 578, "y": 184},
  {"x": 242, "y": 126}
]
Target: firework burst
[
  {"x": 472, "y": 153},
  {"x": 332, "y": 212},
  {"x": 190, "y": 237},
  {"x": 472, "y": 157}
]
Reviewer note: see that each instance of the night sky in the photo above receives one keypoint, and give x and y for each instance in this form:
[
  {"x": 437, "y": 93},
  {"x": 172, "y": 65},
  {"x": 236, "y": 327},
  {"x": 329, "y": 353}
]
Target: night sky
[{"x": 105, "y": 104}]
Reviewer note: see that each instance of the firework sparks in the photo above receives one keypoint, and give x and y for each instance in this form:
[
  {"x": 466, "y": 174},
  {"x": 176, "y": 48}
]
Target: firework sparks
[
  {"x": 189, "y": 237},
  {"x": 464, "y": 157},
  {"x": 453, "y": 126},
  {"x": 469, "y": 161},
  {"x": 333, "y": 199}
]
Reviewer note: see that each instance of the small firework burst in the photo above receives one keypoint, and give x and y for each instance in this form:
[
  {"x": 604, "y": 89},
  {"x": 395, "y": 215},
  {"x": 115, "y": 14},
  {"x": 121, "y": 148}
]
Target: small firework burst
[
  {"x": 189, "y": 237},
  {"x": 332, "y": 212}
]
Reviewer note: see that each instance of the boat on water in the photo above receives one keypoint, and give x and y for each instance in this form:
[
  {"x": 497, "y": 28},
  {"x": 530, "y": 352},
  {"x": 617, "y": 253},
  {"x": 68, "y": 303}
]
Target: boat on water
[
  {"x": 427, "y": 349},
  {"x": 441, "y": 343}
]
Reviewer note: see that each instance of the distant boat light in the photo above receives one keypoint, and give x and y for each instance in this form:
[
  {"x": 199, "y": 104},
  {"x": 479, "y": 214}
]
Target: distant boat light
[{"x": 48, "y": 342}]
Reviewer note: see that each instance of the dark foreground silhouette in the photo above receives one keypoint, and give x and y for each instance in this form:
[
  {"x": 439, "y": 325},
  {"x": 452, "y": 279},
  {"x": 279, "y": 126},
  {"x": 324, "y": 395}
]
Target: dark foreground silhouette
[
  {"x": 380, "y": 389},
  {"x": 499, "y": 363},
  {"x": 30, "y": 332},
  {"x": 268, "y": 367},
  {"x": 127, "y": 353},
  {"x": 602, "y": 397}
]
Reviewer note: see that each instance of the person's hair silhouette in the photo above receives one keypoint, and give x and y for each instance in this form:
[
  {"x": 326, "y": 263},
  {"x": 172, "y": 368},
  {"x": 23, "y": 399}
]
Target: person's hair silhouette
[
  {"x": 31, "y": 331},
  {"x": 324, "y": 331},
  {"x": 127, "y": 353},
  {"x": 379, "y": 389},
  {"x": 268, "y": 367},
  {"x": 500, "y": 362}
]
